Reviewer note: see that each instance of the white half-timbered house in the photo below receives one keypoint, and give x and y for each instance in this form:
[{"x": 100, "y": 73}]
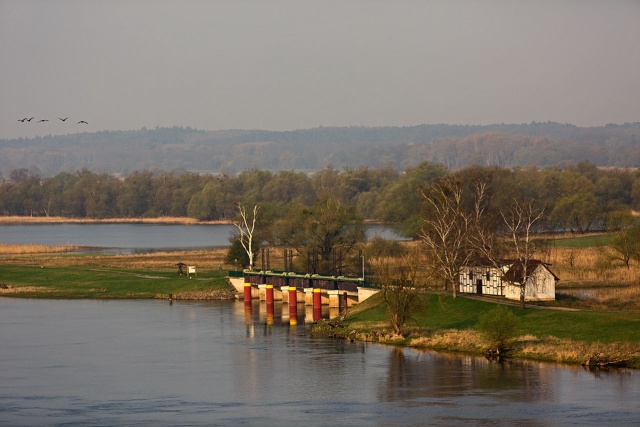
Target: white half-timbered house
[{"x": 483, "y": 278}]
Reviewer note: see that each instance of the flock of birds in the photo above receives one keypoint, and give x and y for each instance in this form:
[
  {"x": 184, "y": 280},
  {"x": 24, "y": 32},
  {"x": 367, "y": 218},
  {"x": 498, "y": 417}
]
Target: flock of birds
[{"x": 26, "y": 119}]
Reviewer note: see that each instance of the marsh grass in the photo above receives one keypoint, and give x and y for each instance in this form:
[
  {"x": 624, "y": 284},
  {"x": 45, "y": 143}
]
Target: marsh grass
[
  {"x": 570, "y": 351},
  {"x": 34, "y": 248},
  {"x": 56, "y": 220},
  {"x": 203, "y": 260},
  {"x": 590, "y": 280}
]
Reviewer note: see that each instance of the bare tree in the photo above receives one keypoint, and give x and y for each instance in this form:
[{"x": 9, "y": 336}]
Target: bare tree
[
  {"x": 445, "y": 231},
  {"x": 519, "y": 220},
  {"x": 512, "y": 234},
  {"x": 401, "y": 284},
  {"x": 246, "y": 236}
]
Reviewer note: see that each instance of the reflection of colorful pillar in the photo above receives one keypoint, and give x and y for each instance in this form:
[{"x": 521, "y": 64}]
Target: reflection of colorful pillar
[
  {"x": 317, "y": 304},
  {"x": 247, "y": 293},
  {"x": 248, "y": 320},
  {"x": 270, "y": 313},
  {"x": 293, "y": 306},
  {"x": 269, "y": 299},
  {"x": 247, "y": 314}
]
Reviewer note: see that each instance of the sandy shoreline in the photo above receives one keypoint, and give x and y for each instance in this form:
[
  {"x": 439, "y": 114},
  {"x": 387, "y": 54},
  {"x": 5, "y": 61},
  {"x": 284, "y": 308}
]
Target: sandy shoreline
[{"x": 54, "y": 220}]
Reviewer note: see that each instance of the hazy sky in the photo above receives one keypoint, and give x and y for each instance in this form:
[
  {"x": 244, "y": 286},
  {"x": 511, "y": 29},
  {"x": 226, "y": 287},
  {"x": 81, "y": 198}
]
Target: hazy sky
[{"x": 283, "y": 65}]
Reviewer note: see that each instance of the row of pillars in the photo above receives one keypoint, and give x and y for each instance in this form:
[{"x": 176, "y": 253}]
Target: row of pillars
[{"x": 292, "y": 293}]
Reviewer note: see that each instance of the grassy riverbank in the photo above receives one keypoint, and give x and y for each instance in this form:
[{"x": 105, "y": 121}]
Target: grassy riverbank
[
  {"x": 153, "y": 275},
  {"x": 448, "y": 324}
]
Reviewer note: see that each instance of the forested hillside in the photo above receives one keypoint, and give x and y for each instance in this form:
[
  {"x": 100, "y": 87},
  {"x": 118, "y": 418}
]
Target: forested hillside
[{"x": 234, "y": 151}]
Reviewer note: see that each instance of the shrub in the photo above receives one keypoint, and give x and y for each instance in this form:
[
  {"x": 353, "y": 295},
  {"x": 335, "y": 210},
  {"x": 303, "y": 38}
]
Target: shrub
[{"x": 499, "y": 327}]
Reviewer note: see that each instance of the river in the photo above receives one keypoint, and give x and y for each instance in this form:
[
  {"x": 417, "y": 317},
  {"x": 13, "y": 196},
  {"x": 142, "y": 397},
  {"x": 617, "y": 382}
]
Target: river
[
  {"x": 134, "y": 238},
  {"x": 147, "y": 362}
]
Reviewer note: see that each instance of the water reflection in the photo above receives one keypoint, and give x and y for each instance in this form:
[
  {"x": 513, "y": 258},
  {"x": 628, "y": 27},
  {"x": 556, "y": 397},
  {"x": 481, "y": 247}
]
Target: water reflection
[
  {"x": 222, "y": 363},
  {"x": 417, "y": 375}
]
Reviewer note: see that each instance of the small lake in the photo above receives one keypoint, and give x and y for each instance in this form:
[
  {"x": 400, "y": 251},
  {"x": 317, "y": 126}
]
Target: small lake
[
  {"x": 147, "y": 362},
  {"x": 135, "y": 238}
]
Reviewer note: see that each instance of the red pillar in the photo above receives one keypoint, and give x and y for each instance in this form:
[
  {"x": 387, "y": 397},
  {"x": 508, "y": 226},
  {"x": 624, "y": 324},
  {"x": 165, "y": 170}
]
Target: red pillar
[
  {"x": 317, "y": 304},
  {"x": 269, "y": 290},
  {"x": 247, "y": 293},
  {"x": 270, "y": 308},
  {"x": 293, "y": 306}
]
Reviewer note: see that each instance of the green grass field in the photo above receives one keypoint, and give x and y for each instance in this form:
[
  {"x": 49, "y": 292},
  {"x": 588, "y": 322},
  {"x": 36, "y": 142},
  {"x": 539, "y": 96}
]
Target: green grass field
[
  {"x": 589, "y": 241},
  {"x": 95, "y": 282}
]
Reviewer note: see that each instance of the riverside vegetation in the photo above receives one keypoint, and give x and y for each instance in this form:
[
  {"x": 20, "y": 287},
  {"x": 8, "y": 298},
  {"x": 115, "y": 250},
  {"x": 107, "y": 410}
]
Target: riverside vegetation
[{"x": 595, "y": 319}]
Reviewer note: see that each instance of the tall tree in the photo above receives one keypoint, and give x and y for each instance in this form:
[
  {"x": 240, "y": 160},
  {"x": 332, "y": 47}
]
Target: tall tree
[
  {"x": 246, "y": 228},
  {"x": 519, "y": 220},
  {"x": 626, "y": 245},
  {"x": 445, "y": 231},
  {"x": 324, "y": 235},
  {"x": 401, "y": 280},
  {"x": 512, "y": 235}
]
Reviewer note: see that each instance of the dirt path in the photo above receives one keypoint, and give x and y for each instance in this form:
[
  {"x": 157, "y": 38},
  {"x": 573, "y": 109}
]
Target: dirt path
[{"x": 516, "y": 303}]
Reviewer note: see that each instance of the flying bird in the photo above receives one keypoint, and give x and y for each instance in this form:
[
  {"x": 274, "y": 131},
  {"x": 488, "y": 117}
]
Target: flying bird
[
  {"x": 43, "y": 120},
  {"x": 22, "y": 120},
  {"x": 83, "y": 122},
  {"x": 63, "y": 119},
  {"x": 30, "y": 119}
]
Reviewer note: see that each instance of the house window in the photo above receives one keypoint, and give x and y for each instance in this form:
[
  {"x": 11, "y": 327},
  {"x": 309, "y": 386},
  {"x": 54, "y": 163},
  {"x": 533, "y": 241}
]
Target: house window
[
  {"x": 470, "y": 275},
  {"x": 488, "y": 276}
]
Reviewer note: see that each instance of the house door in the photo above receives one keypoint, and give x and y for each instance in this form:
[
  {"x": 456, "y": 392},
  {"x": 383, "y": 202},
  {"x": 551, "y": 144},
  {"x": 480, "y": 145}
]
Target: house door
[{"x": 479, "y": 286}]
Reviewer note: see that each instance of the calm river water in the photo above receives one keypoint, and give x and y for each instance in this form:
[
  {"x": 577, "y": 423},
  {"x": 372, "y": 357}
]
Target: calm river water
[
  {"x": 131, "y": 363},
  {"x": 134, "y": 238}
]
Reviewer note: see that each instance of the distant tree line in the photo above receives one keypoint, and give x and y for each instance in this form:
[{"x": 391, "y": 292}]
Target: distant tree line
[
  {"x": 400, "y": 148},
  {"x": 576, "y": 198}
]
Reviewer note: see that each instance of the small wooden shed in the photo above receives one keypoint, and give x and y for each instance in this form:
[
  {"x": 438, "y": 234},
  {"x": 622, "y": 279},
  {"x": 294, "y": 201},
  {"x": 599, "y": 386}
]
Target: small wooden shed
[{"x": 540, "y": 285}]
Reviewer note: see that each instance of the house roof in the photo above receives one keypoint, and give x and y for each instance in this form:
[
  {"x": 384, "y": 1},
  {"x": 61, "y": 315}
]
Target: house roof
[
  {"x": 515, "y": 274},
  {"x": 485, "y": 262}
]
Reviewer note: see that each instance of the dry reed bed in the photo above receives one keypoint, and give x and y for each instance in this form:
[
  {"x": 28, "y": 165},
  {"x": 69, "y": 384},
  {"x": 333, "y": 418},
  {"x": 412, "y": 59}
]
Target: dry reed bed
[
  {"x": 34, "y": 248},
  {"x": 525, "y": 346},
  {"x": 60, "y": 220},
  {"x": 209, "y": 259},
  {"x": 592, "y": 265}
]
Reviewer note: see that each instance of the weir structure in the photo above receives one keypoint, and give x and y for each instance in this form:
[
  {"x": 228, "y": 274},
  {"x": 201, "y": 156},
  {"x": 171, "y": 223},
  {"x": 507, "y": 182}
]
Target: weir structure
[{"x": 293, "y": 288}]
